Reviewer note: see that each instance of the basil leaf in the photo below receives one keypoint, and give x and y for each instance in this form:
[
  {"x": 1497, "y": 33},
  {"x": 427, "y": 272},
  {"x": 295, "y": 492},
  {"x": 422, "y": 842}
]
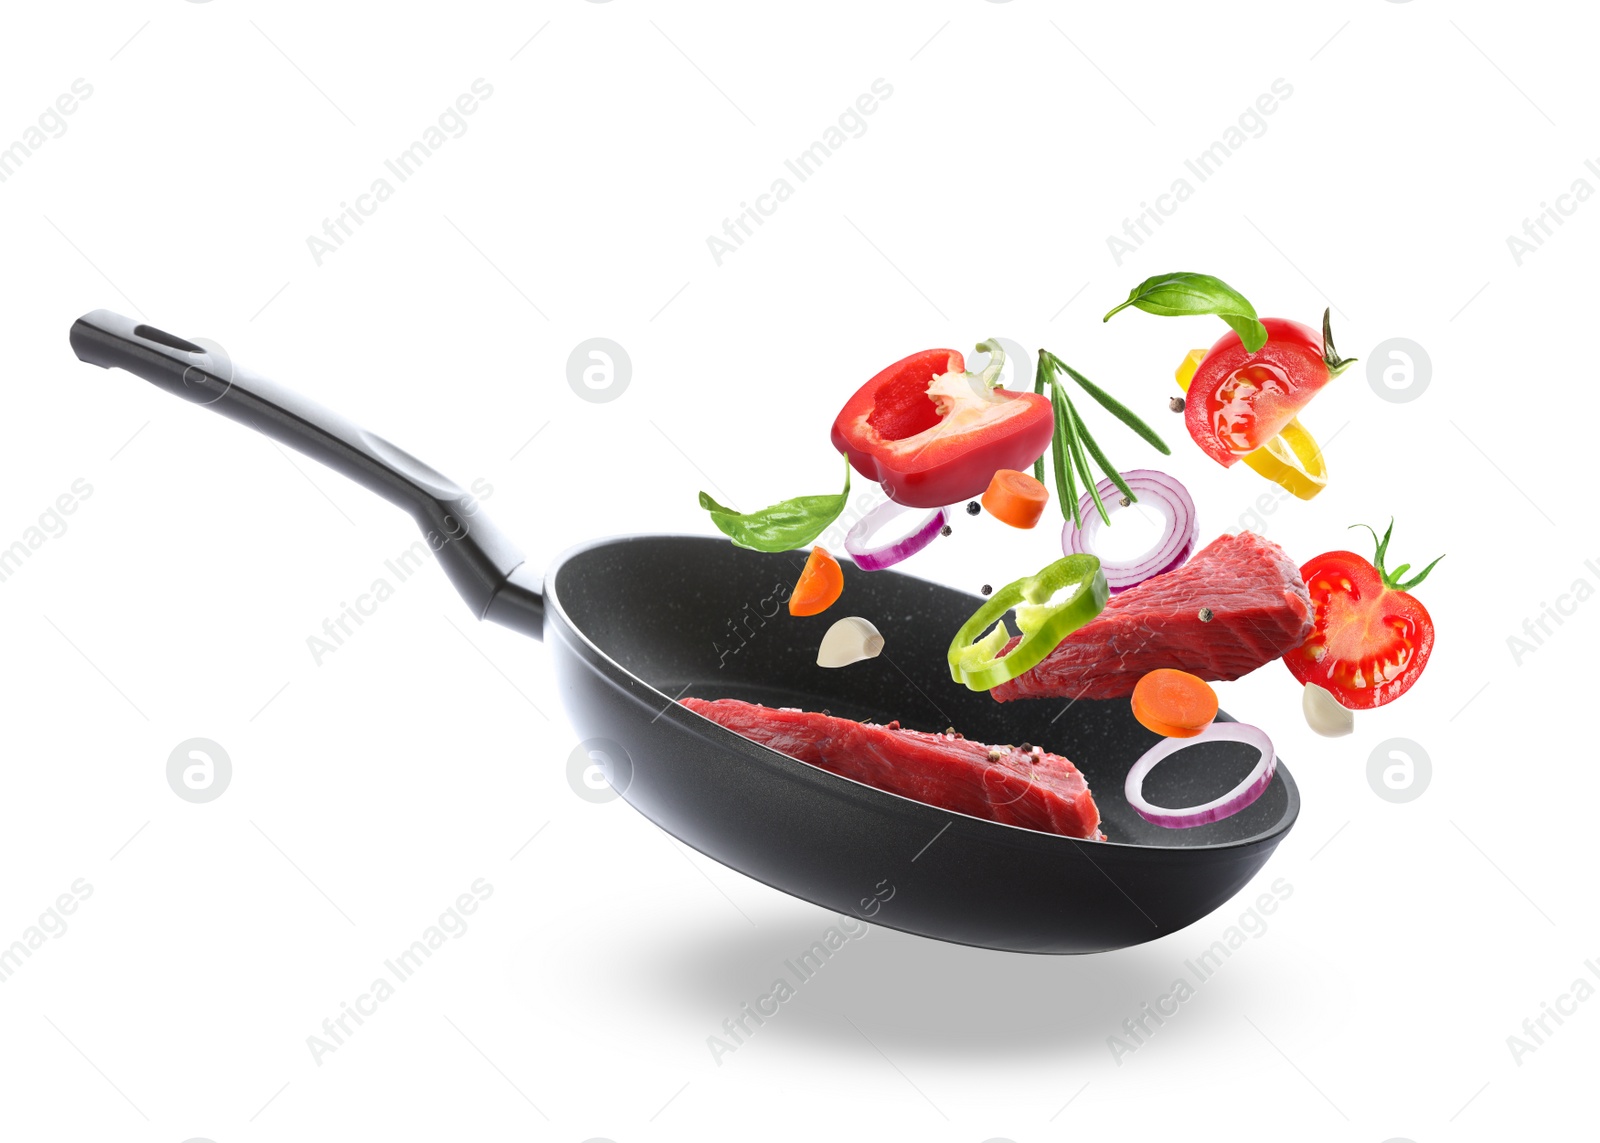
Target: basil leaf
[
  {"x": 784, "y": 526},
  {"x": 1184, "y": 294}
]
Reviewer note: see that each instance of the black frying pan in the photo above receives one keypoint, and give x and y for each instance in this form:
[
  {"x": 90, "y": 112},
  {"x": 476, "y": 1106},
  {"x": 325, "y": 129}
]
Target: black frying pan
[{"x": 635, "y": 622}]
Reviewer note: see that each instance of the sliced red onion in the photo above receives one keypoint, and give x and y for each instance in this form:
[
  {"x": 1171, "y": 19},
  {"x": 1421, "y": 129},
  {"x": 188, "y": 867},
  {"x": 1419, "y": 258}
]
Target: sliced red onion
[
  {"x": 858, "y": 539},
  {"x": 1152, "y": 488},
  {"x": 1236, "y": 799}
]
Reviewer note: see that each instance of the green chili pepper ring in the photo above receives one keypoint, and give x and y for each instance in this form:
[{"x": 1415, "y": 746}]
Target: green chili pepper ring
[{"x": 977, "y": 663}]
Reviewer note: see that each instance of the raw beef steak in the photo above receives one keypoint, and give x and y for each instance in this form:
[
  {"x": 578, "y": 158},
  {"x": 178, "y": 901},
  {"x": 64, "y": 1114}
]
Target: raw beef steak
[
  {"x": 1031, "y": 788},
  {"x": 1259, "y": 609}
]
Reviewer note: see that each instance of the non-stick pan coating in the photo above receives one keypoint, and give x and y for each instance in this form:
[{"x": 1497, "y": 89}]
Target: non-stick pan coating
[{"x": 635, "y": 622}]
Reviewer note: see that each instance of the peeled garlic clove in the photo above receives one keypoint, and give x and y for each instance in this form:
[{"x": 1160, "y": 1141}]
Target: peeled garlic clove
[
  {"x": 849, "y": 641},
  {"x": 1324, "y": 714}
]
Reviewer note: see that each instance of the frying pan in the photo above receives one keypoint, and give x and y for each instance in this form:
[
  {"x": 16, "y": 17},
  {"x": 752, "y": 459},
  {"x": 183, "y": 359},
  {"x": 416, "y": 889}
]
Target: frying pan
[{"x": 635, "y": 622}]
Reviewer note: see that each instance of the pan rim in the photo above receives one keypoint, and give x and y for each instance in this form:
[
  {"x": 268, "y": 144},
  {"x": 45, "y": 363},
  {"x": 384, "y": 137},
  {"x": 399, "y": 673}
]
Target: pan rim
[{"x": 675, "y": 711}]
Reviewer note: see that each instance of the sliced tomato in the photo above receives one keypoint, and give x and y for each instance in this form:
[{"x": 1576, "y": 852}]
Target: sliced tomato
[
  {"x": 1238, "y": 400},
  {"x": 1372, "y": 638}
]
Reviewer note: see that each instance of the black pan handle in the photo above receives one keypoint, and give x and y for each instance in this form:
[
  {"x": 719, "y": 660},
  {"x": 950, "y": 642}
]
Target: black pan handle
[{"x": 485, "y": 567}]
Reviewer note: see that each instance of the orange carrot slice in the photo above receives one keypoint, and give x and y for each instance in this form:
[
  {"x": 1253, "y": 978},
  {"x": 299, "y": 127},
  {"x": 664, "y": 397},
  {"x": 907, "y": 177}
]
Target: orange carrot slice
[
  {"x": 820, "y": 583},
  {"x": 1015, "y": 498},
  {"x": 1174, "y": 704}
]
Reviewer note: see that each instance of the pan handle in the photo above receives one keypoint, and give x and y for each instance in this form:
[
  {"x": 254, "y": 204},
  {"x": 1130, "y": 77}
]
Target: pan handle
[{"x": 485, "y": 567}]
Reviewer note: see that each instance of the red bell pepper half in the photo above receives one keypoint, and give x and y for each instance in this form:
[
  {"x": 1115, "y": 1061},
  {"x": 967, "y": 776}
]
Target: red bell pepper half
[{"x": 933, "y": 434}]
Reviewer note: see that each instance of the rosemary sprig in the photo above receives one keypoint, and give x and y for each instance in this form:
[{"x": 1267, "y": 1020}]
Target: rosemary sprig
[
  {"x": 1105, "y": 465},
  {"x": 1113, "y": 406},
  {"x": 1040, "y": 374},
  {"x": 1066, "y": 485},
  {"x": 1079, "y": 459},
  {"x": 1072, "y": 446}
]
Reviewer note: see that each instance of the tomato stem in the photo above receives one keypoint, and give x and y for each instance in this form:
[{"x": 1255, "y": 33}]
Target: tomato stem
[
  {"x": 1330, "y": 356},
  {"x": 1392, "y": 580}
]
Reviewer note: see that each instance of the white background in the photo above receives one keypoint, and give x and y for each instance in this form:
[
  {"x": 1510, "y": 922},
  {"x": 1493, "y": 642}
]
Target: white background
[{"x": 369, "y": 791}]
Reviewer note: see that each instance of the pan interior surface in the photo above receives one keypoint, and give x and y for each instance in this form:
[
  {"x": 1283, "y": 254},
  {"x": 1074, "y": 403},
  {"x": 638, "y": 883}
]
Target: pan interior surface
[{"x": 697, "y": 616}]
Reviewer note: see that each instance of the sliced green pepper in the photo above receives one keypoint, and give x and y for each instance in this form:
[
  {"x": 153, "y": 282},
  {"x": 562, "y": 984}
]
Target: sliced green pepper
[{"x": 977, "y": 662}]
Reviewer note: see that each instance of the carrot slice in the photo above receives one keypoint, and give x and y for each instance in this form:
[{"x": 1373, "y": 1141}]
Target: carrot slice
[
  {"x": 1015, "y": 498},
  {"x": 820, "y": 583},
  {"x": 1174, "y": 704}
]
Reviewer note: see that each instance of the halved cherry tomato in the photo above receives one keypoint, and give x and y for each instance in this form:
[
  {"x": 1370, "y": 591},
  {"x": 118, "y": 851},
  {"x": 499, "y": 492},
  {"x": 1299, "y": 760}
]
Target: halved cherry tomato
[
  {"x": 821, "y": 582},
  {"x": 1372, "y": 638},
  {"x": 1292, "y": 459},
  {"x": 1238, "y": 400}
]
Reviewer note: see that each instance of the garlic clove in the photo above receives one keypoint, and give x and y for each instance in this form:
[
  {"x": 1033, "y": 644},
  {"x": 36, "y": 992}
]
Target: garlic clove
[
  {"x": 850, "y": 640},
  {"x": 1324, "y": 714}
]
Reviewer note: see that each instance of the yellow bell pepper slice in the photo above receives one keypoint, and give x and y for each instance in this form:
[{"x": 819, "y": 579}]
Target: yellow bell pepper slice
[
  {"x": 1292, "y": 459},
  {"x": 1188, "y": 367}
]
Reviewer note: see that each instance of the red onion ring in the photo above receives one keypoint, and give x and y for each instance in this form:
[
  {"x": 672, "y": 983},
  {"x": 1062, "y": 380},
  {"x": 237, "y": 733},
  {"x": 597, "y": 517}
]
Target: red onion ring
[
  {"x": 1236, "y": 799},
  {"x": 1176, "y": 544},
  {"x": 857, "y": 540}
]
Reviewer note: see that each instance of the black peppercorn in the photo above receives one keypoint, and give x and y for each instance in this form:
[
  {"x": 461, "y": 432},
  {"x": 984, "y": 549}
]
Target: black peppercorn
[
  {"x": 944, "y": 531},
  {"x": 973, "y": 508}
]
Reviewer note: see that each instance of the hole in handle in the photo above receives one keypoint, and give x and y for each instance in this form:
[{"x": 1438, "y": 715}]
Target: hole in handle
[{"x": 171, "y": 341}]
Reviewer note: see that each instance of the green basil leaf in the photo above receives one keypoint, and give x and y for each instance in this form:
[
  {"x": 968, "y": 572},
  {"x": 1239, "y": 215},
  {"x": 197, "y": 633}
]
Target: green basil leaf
[
  {"x": 783, "y": 526},
  {"x": 1184, "y": 294}
]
